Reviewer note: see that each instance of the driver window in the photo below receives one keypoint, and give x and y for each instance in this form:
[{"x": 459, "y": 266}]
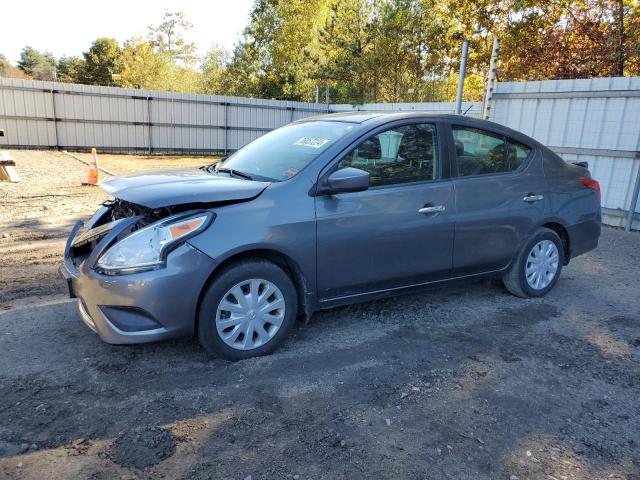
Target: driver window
[{"x": 399, "y": 155}]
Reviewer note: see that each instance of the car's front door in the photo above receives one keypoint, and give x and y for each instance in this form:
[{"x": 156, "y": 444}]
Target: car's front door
[
  {"x": 494, "y": 177},
  {"x": 398, "y": 232}
]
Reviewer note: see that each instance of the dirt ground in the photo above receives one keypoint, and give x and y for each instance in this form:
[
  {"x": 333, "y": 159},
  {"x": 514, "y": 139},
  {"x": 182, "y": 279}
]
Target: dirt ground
[
  {"x": 465, "y": 382},
  {"x": 37, "y": 214}
]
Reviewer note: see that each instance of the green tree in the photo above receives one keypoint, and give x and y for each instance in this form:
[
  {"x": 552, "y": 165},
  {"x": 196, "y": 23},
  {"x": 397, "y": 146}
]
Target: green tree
[
  {"x": 185, "y": 79},
  {"x": 214, "y": 70},
  {"x": 101, "y": 62},
  {"x": 277, "y": 53},
  {"x": 29, "y": 59},
  {"x": 410, "y": 45},
  {"x": 347, "y": 51},
  {"x": 169, "y": 37},
  {"x": 69, "y": 69},
  {"x": 38, "y": 65},
  {"x": 251, "y": 71},
  {"x": 242, "y": 76},
  {"x": 296, "y": 47}
]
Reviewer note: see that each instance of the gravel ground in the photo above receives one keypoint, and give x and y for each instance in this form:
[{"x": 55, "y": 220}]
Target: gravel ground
[
  {"x": 37, "y": 214},
  {"x": 465, "y": 382}
]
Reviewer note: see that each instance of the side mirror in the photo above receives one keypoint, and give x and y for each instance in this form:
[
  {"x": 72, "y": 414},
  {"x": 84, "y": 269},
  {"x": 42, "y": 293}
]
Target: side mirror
[{"x": 345, "y": 180}]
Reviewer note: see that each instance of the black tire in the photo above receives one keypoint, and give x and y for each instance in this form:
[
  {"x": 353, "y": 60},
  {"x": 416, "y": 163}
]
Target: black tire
[
  {"x": 515, "y": 280},
  {"x": 227, "y": 279}
]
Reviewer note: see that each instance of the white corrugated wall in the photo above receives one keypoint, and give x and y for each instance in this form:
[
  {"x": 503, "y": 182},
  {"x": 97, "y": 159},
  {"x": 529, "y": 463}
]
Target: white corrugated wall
[
  {"x": 594, "y": 120},
  {"x": 72, "y": 116}
]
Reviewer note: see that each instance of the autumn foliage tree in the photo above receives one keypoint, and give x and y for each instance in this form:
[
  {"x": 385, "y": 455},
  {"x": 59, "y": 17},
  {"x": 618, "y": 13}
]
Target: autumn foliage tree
[
  {"x": 570, "y": 39},
  {"x": 409, "y": 50},
  {"x": 366, "y": 50}
]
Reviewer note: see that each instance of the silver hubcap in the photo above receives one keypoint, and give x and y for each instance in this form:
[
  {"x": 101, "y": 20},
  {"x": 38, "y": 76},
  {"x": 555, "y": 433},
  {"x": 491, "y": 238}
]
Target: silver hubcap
[
  {"x": 250, "y": 314},
  {"x": 542, "y": 264}
]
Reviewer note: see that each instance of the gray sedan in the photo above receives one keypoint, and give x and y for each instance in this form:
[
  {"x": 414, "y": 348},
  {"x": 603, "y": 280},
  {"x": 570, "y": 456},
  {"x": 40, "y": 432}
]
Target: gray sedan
[{"x": 326, "y": 211}]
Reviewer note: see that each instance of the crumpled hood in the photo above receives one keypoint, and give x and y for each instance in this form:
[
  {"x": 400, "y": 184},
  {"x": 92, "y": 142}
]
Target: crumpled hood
[{"x": 163, "y": 188}]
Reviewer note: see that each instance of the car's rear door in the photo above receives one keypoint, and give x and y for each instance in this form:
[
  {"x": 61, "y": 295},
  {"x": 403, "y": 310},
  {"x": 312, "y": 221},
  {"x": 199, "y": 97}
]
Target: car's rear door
[
  {"x": 499, "y": 191},
  {"x": 399, "y": 231}
]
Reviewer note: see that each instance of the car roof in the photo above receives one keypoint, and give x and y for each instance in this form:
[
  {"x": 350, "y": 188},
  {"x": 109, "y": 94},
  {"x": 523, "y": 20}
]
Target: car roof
[
  {"x": 388, "y": 115},
  {"x": 351, "y": 117},
  {"x": 375, "y": 118}
]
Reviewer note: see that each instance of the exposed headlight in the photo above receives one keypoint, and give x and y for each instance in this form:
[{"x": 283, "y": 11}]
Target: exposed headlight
[{"x": 147, "y": 248}]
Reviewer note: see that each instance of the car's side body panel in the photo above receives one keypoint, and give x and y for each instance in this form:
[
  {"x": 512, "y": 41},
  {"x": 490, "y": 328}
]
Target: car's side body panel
[
  {"x": 575, "y": 207},
  {"x": 492, "y": 215},
  {"x": 378, "y": 239},
  {"x": 492, "y": 218},
  {"x": 272, "y": 222}
]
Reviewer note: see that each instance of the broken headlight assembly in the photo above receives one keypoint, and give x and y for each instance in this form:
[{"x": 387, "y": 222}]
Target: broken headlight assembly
[{"x": 147, "y": 247}]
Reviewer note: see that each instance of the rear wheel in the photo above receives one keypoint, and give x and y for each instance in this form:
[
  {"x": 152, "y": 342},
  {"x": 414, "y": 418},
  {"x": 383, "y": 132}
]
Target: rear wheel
[
  {"x": 247, "y": 311},
  {"x": 537, "y": 267}
]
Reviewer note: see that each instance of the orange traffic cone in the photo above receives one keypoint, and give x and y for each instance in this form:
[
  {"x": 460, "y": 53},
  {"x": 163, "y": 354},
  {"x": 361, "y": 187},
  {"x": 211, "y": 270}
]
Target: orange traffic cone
[{"x": 92, "y": 178}]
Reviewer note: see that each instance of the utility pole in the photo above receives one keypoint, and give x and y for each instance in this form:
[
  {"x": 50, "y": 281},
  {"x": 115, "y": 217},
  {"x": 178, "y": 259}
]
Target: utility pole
[
  {"x": 488, "y": 95},
  {"x": 326, "y": 95},
  {"x": 619, "y": 68},
  {"x": 53, "y": 106},
  {"x": 463, "y": 68}
]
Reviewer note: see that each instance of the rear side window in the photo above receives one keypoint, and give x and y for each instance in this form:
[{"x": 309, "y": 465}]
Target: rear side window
[
  {"x": 480, "y": 152},
  {"x": 400, "y": 155},
  {"x": 518, "y": 153}
]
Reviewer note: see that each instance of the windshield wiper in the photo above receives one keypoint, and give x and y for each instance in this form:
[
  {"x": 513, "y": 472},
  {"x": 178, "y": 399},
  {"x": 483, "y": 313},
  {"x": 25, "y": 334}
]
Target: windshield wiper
[
  {"x": 208, "y": 167},
  {"x": 235, "y": 173}
]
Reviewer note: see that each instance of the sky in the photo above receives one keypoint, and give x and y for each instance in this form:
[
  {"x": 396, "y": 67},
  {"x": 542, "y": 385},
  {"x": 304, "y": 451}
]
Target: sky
[{"x": 67, "y": 27}]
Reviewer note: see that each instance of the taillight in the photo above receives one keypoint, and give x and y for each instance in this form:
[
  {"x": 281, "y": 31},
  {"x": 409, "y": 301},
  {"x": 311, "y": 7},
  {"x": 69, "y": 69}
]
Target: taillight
[{"x": 591, "y": 183}]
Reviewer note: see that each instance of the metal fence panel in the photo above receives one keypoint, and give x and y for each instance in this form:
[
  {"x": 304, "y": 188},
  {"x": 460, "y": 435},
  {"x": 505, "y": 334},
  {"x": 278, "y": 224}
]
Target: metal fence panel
[
  {"x": 46, "y": 114},
  {"x": 594, "y": 120}
]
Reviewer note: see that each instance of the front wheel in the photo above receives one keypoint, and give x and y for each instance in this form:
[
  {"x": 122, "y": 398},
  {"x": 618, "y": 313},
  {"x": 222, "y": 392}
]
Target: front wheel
[
  {"x": 537, "y": 267},
  {"x": 247, "y": 311}
]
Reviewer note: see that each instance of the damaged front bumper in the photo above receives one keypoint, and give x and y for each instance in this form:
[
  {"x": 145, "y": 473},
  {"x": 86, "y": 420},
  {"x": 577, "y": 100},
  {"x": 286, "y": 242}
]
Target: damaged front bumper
[{"x": 139, "y": 307}]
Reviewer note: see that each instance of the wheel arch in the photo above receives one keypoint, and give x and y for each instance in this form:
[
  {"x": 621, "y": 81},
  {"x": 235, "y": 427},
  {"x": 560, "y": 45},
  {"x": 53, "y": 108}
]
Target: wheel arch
[
  {"x": 563, "y": 233},
  {"x": 306, "y": 298},
  {"x": 559, "y": 227}
]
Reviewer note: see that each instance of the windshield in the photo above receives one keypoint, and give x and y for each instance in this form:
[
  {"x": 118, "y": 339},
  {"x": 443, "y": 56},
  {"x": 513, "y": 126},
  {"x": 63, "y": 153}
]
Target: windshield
[{"x": 282, "y": 153}]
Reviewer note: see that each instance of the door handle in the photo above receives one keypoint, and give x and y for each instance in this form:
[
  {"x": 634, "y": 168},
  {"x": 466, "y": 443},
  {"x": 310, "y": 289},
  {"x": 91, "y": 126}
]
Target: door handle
[
  {"x": 532, "y": 198},
  {"x": 435, "y": 209}
]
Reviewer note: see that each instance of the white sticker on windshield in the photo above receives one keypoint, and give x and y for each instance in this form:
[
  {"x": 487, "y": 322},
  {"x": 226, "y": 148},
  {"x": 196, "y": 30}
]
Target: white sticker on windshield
[{"x": 312, "y": 142}]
